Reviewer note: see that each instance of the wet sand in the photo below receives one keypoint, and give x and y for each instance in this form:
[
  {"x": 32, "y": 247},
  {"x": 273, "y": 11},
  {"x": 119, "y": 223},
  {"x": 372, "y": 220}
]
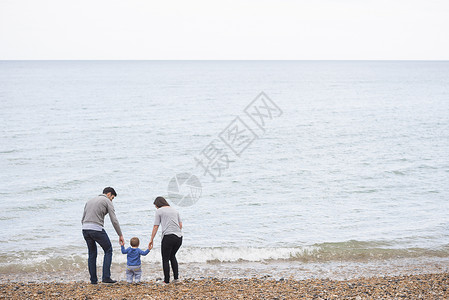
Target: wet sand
[{"x": 427, "y": 286}]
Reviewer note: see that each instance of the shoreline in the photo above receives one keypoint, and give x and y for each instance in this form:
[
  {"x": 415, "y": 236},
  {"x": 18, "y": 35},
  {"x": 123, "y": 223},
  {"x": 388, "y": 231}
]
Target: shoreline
[
  {"x": 388, "y": 287},
  {"x": 274, "y": 269}
]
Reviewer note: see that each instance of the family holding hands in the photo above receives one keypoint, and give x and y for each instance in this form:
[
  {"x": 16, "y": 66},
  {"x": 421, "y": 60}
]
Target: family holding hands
[{"x": 92, "y": 224}]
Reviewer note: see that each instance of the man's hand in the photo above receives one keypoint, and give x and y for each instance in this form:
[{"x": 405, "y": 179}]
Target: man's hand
[
  {"x": 150, "y": 245},
  {"x": 121, "y": 241}
]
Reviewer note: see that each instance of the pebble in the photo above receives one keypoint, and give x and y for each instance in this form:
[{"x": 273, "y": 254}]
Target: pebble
[{"x": 426, "y": 286}]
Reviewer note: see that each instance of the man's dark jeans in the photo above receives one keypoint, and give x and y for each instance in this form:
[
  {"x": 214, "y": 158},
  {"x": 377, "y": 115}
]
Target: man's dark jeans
[{"x": 101, "y": 237}]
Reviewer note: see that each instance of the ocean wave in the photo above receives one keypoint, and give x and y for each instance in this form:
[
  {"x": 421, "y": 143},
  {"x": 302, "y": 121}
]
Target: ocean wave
[
  {"x": 323, "y": 252},
  {"x": 364, "y": 251},
  {"x": 351, "y": 251}
]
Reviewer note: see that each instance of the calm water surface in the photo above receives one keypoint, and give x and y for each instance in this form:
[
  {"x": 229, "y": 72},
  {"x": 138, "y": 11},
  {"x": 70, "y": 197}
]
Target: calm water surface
[{"x": 356, "y": 168}]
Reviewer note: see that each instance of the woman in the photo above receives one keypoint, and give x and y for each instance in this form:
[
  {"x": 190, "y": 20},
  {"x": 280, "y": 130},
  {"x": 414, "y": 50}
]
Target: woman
[{"x": 168, "y": 218}]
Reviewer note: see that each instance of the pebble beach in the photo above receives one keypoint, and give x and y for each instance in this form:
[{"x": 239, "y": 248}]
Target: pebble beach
[{"x": 425, "y": 286}]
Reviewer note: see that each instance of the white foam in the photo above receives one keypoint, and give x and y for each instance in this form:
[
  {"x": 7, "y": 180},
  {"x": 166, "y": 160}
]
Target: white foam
[{"x": 202, "y": 255}]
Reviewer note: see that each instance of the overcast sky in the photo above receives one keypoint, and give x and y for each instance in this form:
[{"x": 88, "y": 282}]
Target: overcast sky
[{"x": 231, "y": 29}]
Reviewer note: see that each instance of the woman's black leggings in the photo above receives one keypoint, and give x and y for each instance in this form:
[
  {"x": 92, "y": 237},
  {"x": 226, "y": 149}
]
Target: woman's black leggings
[{"x": 169, "y": 247}]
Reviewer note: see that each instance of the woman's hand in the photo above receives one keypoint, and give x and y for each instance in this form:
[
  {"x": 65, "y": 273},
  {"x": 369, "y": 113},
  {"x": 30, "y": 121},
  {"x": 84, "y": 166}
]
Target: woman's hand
[{"x": 153, "y": 234}]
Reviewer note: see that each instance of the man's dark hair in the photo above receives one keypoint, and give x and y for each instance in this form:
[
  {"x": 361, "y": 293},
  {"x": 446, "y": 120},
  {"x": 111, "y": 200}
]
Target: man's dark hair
[
  {"x": 160, "y": 201},
  {"x": 109, "y": 190}
]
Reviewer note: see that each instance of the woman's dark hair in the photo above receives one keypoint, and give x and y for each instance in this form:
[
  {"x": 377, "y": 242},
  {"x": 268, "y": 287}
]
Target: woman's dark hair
[
  {"x": 160, "y": 201},
  {"x": 109, "y": 190}
]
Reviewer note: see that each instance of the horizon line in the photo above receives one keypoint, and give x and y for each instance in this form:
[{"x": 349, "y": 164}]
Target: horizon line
[{"x": 303, "y": 60}]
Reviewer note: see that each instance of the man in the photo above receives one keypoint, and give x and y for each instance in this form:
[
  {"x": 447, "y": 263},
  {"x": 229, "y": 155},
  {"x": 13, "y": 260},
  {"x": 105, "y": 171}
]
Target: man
[{"x": 93, "y": 232}]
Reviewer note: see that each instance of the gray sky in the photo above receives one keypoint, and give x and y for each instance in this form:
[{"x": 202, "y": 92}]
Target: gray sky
[{"x": 232, "y": 29}]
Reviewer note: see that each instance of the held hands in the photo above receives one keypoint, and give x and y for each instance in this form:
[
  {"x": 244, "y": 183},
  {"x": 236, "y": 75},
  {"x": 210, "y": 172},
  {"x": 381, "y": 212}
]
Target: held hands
[
  {"x": 121, "y": 241},
  {"x": 153, "y": 234}
]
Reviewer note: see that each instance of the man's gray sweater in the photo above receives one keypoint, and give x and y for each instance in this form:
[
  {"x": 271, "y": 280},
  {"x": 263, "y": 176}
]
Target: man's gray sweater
[{"x": 95, "y": 210}]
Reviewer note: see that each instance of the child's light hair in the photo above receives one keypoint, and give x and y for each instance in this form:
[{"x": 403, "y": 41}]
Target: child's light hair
[{"x": 134, "y": 242}]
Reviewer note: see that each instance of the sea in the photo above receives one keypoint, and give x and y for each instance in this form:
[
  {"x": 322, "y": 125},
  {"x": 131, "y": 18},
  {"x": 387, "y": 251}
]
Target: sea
[{"x": 282, "y": 169}]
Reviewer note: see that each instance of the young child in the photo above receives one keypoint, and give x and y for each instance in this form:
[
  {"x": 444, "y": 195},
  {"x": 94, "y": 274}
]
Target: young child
[{"x": 133, "y": 268}]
